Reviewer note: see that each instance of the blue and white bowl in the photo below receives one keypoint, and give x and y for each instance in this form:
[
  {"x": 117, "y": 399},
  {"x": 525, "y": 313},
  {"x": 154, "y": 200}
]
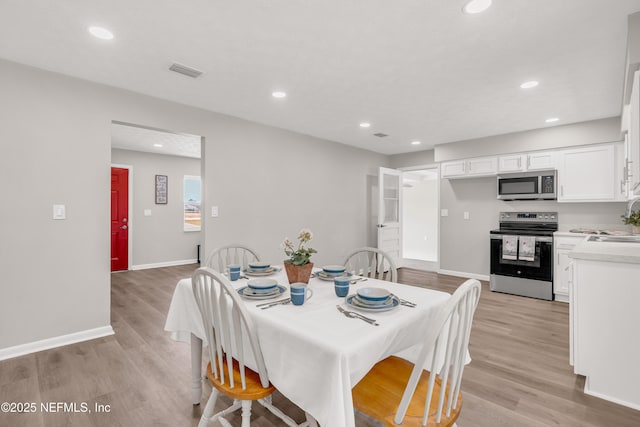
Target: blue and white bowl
[
  {"x": 373, "y": 295},
  {"x": 259, "y": 265},
  {"x": 262, "y": 284},
  {"x": 334, "y": 269}
]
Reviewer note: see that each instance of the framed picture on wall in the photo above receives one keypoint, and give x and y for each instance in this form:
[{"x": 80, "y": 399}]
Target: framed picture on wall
[{"x": 162, "y": 184}]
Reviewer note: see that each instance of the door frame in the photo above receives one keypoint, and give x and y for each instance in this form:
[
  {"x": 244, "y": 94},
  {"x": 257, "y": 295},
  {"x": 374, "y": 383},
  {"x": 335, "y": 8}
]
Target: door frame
[
  {"x": 427, "y": 265},
  {"x": 129, "y": 211}
]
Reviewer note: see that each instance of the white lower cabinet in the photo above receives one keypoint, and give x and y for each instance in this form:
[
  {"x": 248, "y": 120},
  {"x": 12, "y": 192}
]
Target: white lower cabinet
[
  {"x": 604, "y": 329},
  {"x": 563, "y": 267}
]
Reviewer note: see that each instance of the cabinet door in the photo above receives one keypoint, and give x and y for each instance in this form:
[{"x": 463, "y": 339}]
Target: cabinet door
[
  {"x": 453, "y": 169},
  {"x": 633, "y": 156},
  {"x": 513, "y": 163},
  {"x": 482, "y": 166},
  {"x": 587, "y": 174},
  {"x": 562, "y": 274},
  {"x": 541, "y": 161}
]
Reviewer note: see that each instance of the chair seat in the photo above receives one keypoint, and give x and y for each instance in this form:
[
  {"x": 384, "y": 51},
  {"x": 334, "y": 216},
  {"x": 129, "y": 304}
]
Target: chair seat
[
  {"x": 379, "y": 393},
  {"x": 254, "y": 390}
]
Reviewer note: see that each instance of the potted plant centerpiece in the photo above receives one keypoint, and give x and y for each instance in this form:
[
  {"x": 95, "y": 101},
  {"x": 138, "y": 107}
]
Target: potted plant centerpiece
[
  {"x": 299, "y": 265},
  {"x": 634, "y": 221}
]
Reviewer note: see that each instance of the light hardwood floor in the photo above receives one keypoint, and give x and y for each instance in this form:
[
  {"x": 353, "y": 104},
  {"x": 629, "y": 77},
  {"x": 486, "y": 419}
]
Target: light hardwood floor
[{"x": 519, "y": 374}]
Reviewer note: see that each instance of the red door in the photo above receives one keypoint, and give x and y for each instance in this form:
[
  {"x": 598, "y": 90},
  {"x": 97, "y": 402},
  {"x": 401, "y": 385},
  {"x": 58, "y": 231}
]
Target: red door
[{"x": 119, "y": 220}]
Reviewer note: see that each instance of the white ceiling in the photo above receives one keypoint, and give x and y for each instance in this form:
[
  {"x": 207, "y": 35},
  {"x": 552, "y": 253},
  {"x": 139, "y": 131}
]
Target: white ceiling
[
  {"x": 136, "y": 138},
  {"x": 416, "y": 69}
]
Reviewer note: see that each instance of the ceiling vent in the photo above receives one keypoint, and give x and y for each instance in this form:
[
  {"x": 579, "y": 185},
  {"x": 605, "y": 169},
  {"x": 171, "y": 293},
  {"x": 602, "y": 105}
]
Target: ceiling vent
[
  {"x": 187, "y": 71},
  {"x": 380, "y": 134}
]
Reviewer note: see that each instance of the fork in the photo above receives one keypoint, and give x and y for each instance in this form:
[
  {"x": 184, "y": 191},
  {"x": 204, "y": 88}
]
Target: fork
[{"x": 354, "y": 315}]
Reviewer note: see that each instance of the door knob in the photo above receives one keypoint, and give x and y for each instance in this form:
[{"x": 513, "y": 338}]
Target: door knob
[
  {"x": 381, "y": 225},
  {"x": 124, "y": 227}
]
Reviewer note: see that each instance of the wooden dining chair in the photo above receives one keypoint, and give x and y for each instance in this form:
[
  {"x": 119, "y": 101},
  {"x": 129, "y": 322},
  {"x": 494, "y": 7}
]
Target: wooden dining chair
[
  {"x": 231, "y": 339},
  {"x": 372, "y": 262},
  {"x": 396, "y": 391},
  {"x": 220, "y": 258}
]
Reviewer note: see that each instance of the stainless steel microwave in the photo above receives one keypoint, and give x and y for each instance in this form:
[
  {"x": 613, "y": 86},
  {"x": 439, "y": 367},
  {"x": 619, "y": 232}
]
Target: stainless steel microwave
[{"x": 538, "y": 185}]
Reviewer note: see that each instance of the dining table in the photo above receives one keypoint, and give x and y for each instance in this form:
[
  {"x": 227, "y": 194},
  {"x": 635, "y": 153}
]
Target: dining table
[{"x": 315, "y": 354}]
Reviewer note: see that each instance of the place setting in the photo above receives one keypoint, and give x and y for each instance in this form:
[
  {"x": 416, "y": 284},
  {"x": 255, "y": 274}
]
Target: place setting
[
  {"x": 259, "y": 269},
  {"x": 330, "y": 272},
  {"x": 261, "y": 288}
]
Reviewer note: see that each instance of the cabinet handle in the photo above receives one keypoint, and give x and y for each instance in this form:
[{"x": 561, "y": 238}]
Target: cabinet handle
[
  {"x": 528, "y": 162},
  {"x": 519, "y": 162},
  {"x": 562, "y": 190}
]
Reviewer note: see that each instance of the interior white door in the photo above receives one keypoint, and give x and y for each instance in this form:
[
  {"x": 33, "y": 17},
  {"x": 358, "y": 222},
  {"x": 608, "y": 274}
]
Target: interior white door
[{"x": 389, "y": 215}]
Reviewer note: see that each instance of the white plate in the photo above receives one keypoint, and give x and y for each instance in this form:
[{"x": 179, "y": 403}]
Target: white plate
[
  {"x": 324, "y": 276},
  {"x": 262, "y": 284},
  {"x": 352, "y": 302},
  {"x": 247, "y": 293},
  {"x": 262, "y": 272}
]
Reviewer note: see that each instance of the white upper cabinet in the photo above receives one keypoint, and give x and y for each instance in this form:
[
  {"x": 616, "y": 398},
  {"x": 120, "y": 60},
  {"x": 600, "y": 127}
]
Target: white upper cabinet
[
  {"x": 591, "y": 174},
  {"x": 542, "y": 160},
  {"x": 470, "y": 168},
  {"x": 527, "y": 162},
  {"x": 512, "y": 163}
]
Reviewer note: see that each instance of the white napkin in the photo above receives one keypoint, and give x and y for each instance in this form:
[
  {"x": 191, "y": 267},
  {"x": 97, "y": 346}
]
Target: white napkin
[
  {"x": 510, "y": 247},
  {"x": 527, "y": 248}
]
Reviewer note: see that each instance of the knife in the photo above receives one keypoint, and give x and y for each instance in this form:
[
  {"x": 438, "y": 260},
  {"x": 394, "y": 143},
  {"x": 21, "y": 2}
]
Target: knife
[{"x": 273, "y": 303}]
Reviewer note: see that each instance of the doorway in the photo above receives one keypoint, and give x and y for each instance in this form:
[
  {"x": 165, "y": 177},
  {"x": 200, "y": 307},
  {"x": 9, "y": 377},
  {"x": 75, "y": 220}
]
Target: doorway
[{"x": 420, "y": 219}]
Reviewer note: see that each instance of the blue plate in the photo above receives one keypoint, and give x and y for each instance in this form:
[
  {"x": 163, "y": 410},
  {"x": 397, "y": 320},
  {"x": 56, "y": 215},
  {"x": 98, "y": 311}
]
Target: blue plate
[
  {"x": 352, "y": 301},
  {"x": 248, "y": 293}
]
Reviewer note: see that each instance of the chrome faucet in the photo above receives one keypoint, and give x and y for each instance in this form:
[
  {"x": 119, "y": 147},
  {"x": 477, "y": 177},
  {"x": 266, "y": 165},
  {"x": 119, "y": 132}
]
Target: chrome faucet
[{"x": 630, "y": 205}]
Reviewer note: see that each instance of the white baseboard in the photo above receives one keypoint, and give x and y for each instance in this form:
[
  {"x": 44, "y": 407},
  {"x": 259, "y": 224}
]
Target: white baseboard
[
  {"x": 465, "y": 275},
  {"x": 609, "y": 398},
  {"x": 46, "y": 344},
  {"x": 164, "y": 264}
]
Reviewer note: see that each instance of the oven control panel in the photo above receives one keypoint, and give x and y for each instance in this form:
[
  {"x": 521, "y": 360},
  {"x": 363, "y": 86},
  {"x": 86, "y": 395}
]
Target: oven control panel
[{"x": 530, "y": 217}]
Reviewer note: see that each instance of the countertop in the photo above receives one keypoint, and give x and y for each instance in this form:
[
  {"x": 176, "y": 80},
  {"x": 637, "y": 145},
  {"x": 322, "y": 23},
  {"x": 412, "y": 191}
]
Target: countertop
[{"x": 607, "y": 251}]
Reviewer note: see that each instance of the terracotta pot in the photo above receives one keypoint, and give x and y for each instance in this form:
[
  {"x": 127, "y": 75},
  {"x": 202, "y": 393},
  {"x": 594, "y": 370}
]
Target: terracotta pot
[
  {"x": 298, "y": 273},
  {"x": 635, "y": 229}
]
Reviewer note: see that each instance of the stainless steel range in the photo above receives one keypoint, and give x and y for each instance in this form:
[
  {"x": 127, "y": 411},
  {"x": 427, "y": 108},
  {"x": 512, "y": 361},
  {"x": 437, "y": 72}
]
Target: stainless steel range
[{"x": 522, "y": 254}]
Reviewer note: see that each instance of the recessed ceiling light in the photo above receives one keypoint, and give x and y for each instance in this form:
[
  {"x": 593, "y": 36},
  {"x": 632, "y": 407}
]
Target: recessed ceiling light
[
  {"x": 157, "y": 145},
  {"x": 552, "y": 119},
  {"x": 101, "y": 33},
  {"x": 279, "y": 94},
  {"x": 365, "y": 124},
  {"x": 416, "y": 142},
  {"x": 476, "y": 6},
  {"x": 529, "y": 84}
]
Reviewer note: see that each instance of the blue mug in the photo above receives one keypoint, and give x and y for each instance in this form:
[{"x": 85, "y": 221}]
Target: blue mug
[
  {"x": 234, "y": 272},
  {"x": 341, "y": 285},
  {"x": 300, "y": 292}
]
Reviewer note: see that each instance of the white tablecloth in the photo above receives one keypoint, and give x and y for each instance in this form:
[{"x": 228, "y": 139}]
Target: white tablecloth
[{"x": 313, "y": 353}]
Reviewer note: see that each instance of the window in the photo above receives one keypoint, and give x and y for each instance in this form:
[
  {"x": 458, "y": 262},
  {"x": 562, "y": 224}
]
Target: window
[{"x": 192, "y": 201}]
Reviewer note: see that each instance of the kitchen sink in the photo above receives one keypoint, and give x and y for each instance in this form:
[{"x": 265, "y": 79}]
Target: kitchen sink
[{"x": 615, "y": 239}]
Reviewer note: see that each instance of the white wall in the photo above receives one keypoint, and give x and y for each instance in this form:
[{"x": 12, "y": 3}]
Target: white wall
[
  {"x": 56, "y": 148},
  {"x": 159, "y": 238}
]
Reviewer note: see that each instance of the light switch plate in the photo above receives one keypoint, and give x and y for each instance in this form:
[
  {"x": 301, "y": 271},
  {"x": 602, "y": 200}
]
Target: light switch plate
[
  {"x": 59, "y": 212},
  {"x": 147, "y": 212},
  {"x": 214, "y": 211},
  {"x": 444, "y": 212},
  {"x": 466, "y": 215}
]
